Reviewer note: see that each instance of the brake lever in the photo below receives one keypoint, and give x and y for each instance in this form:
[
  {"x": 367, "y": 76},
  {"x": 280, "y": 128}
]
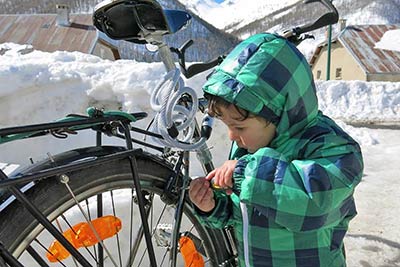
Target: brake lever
[{"x": 326, "y": 19}]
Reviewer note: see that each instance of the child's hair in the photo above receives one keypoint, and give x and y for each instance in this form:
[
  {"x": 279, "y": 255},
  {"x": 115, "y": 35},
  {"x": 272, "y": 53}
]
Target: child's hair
[{"x": 216, "y": 102}]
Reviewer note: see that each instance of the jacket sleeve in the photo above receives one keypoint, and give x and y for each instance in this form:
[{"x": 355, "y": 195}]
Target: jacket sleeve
[
  {"x": 301, "y": 195},
  {"x": 221, "y": 215}
]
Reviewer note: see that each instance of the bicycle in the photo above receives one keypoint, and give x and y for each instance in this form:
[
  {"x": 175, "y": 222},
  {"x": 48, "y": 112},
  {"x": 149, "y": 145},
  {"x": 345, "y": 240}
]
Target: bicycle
[{"x": 39, "y": 203}]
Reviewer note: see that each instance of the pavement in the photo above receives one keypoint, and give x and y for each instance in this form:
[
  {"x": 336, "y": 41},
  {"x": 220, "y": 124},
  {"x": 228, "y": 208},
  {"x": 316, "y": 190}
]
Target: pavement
[{"x": 374, "y": 235}]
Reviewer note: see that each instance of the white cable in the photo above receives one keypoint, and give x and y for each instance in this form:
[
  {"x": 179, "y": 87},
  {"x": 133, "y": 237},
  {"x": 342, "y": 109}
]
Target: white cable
[
  {"x": 170, "y": 113},
  {"x": 167, "y": 84}
]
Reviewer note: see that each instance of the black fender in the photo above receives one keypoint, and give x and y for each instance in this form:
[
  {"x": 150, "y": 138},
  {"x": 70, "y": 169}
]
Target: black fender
[{"x": 65, "y": 158}]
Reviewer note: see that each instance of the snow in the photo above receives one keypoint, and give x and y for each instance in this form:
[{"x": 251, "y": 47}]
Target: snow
[
  {"x": 39, "y": 87},
  {"x": 390, "y": 41},
  {"x": 360, "y": 102}
]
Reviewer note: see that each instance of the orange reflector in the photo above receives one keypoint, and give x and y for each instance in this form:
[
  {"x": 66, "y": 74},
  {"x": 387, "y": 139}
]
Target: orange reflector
[
  {"x": 189, "y": 252},
  {"x": 81, "y": 235}
]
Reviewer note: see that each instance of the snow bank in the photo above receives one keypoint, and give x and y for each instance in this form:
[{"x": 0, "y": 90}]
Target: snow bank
[{"x": 359, "y": 102}]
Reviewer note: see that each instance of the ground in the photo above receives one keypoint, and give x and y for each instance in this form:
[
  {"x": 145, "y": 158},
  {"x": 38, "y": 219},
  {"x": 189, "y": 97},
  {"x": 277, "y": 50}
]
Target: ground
[{"x": 374, "y": 235}]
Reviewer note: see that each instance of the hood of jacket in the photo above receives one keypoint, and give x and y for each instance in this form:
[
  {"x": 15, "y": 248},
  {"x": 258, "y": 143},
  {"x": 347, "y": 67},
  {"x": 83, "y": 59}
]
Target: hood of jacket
[{"x": 268, "y": 76}]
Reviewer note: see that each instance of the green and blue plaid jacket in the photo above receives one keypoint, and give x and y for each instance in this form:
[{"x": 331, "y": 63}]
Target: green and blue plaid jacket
[{"x": 296, "y": 195}]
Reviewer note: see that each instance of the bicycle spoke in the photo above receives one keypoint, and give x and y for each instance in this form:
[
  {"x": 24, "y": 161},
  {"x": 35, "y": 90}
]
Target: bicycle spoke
[
  {"x": 154, "y": 231},
  {"x": 118, "y": 243},
  {"x": 164, "y": 257},
  {"x": 45, "y": 248},
  {"x": 141, "y": 234},
  {"x": 36, "y": 256},
  {"x": 61, "y": 231},
  {"x": 90, "y": 225},
  {"x": 90, "y": 218},
  {"x": 201, "y": 248},
  {"x": 70, "y": 227},
  {"x": 131, "y": 229},
  {"x": 100, "y": 214}
]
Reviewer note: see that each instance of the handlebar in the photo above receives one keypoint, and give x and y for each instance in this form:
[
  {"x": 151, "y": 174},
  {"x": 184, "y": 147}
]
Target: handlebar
[
  {"x": 195, "y": 68},
  {"x": 326, "y": 19}
]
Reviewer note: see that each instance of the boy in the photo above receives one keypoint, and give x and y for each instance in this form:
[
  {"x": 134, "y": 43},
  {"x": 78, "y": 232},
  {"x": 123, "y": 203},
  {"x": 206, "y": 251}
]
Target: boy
[{"x": 292, "y": 171}]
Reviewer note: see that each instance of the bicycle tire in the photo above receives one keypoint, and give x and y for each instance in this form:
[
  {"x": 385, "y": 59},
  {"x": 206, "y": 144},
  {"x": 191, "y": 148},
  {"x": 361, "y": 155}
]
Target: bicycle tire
[{"x": 19, "y": 229}]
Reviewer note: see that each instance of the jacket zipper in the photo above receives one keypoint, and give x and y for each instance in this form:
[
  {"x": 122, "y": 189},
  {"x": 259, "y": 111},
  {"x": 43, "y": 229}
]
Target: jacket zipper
[{"x": 245, "y": 217}]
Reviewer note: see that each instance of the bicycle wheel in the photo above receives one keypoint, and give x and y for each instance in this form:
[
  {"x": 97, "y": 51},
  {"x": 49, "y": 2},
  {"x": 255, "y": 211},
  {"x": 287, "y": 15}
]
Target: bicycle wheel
[{"x": 106, "y": 190}]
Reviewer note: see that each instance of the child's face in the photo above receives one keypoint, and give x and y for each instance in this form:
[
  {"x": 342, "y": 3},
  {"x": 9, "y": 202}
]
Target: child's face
[{"x": 251, "y": 134}]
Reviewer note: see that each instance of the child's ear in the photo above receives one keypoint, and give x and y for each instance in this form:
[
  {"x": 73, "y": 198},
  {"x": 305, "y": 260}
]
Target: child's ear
[{"x": 267, "y": 122}]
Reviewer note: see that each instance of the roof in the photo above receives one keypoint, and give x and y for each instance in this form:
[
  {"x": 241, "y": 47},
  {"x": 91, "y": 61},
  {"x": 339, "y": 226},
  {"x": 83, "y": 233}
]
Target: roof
[
  {"x": 360, "y": 40},
  {"x": 43, "y": 33}
]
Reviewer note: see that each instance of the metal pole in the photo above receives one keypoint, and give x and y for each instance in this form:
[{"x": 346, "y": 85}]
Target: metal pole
[
  {"x": 166, "y": 56},
  {"x": 179, "y": 211},
  {"x": 140, "y": 199},
  {"x": 328, "y": 63},
  {"x": 8, "y": 257}
]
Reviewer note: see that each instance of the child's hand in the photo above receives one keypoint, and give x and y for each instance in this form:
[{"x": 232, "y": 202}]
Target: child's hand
[
  {"x": 201, "y": 194},
  {"x": 222, "y": 176}
]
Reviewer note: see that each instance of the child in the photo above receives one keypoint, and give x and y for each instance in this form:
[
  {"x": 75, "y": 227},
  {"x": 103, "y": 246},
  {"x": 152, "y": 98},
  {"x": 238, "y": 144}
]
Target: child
[{"x": 292, "y": 171}]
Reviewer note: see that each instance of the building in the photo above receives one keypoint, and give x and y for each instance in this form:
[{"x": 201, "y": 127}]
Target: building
[
  {"x": 57, "y": 32},
  {"x": 354, "y": 56}
]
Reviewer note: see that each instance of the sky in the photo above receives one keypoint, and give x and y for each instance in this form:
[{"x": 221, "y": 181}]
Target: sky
[{"x": 37, "y": 86}]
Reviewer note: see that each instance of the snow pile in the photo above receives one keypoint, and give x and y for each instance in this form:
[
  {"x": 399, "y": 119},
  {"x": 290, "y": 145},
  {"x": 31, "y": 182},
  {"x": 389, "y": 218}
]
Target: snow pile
[
  {"x": 53, "y": 83},
  {"x": 360, "y": 102},
  {"x": 389, "y": 41}
]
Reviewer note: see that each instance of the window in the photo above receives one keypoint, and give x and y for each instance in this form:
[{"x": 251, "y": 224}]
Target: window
[
  {"x": 338, "y": 73},
  {"x": 319, "y": 75}
]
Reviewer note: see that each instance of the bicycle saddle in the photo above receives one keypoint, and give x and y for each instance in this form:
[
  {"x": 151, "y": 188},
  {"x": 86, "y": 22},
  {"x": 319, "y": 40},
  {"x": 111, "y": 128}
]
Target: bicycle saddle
[{"x": 137, "y": 21}]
